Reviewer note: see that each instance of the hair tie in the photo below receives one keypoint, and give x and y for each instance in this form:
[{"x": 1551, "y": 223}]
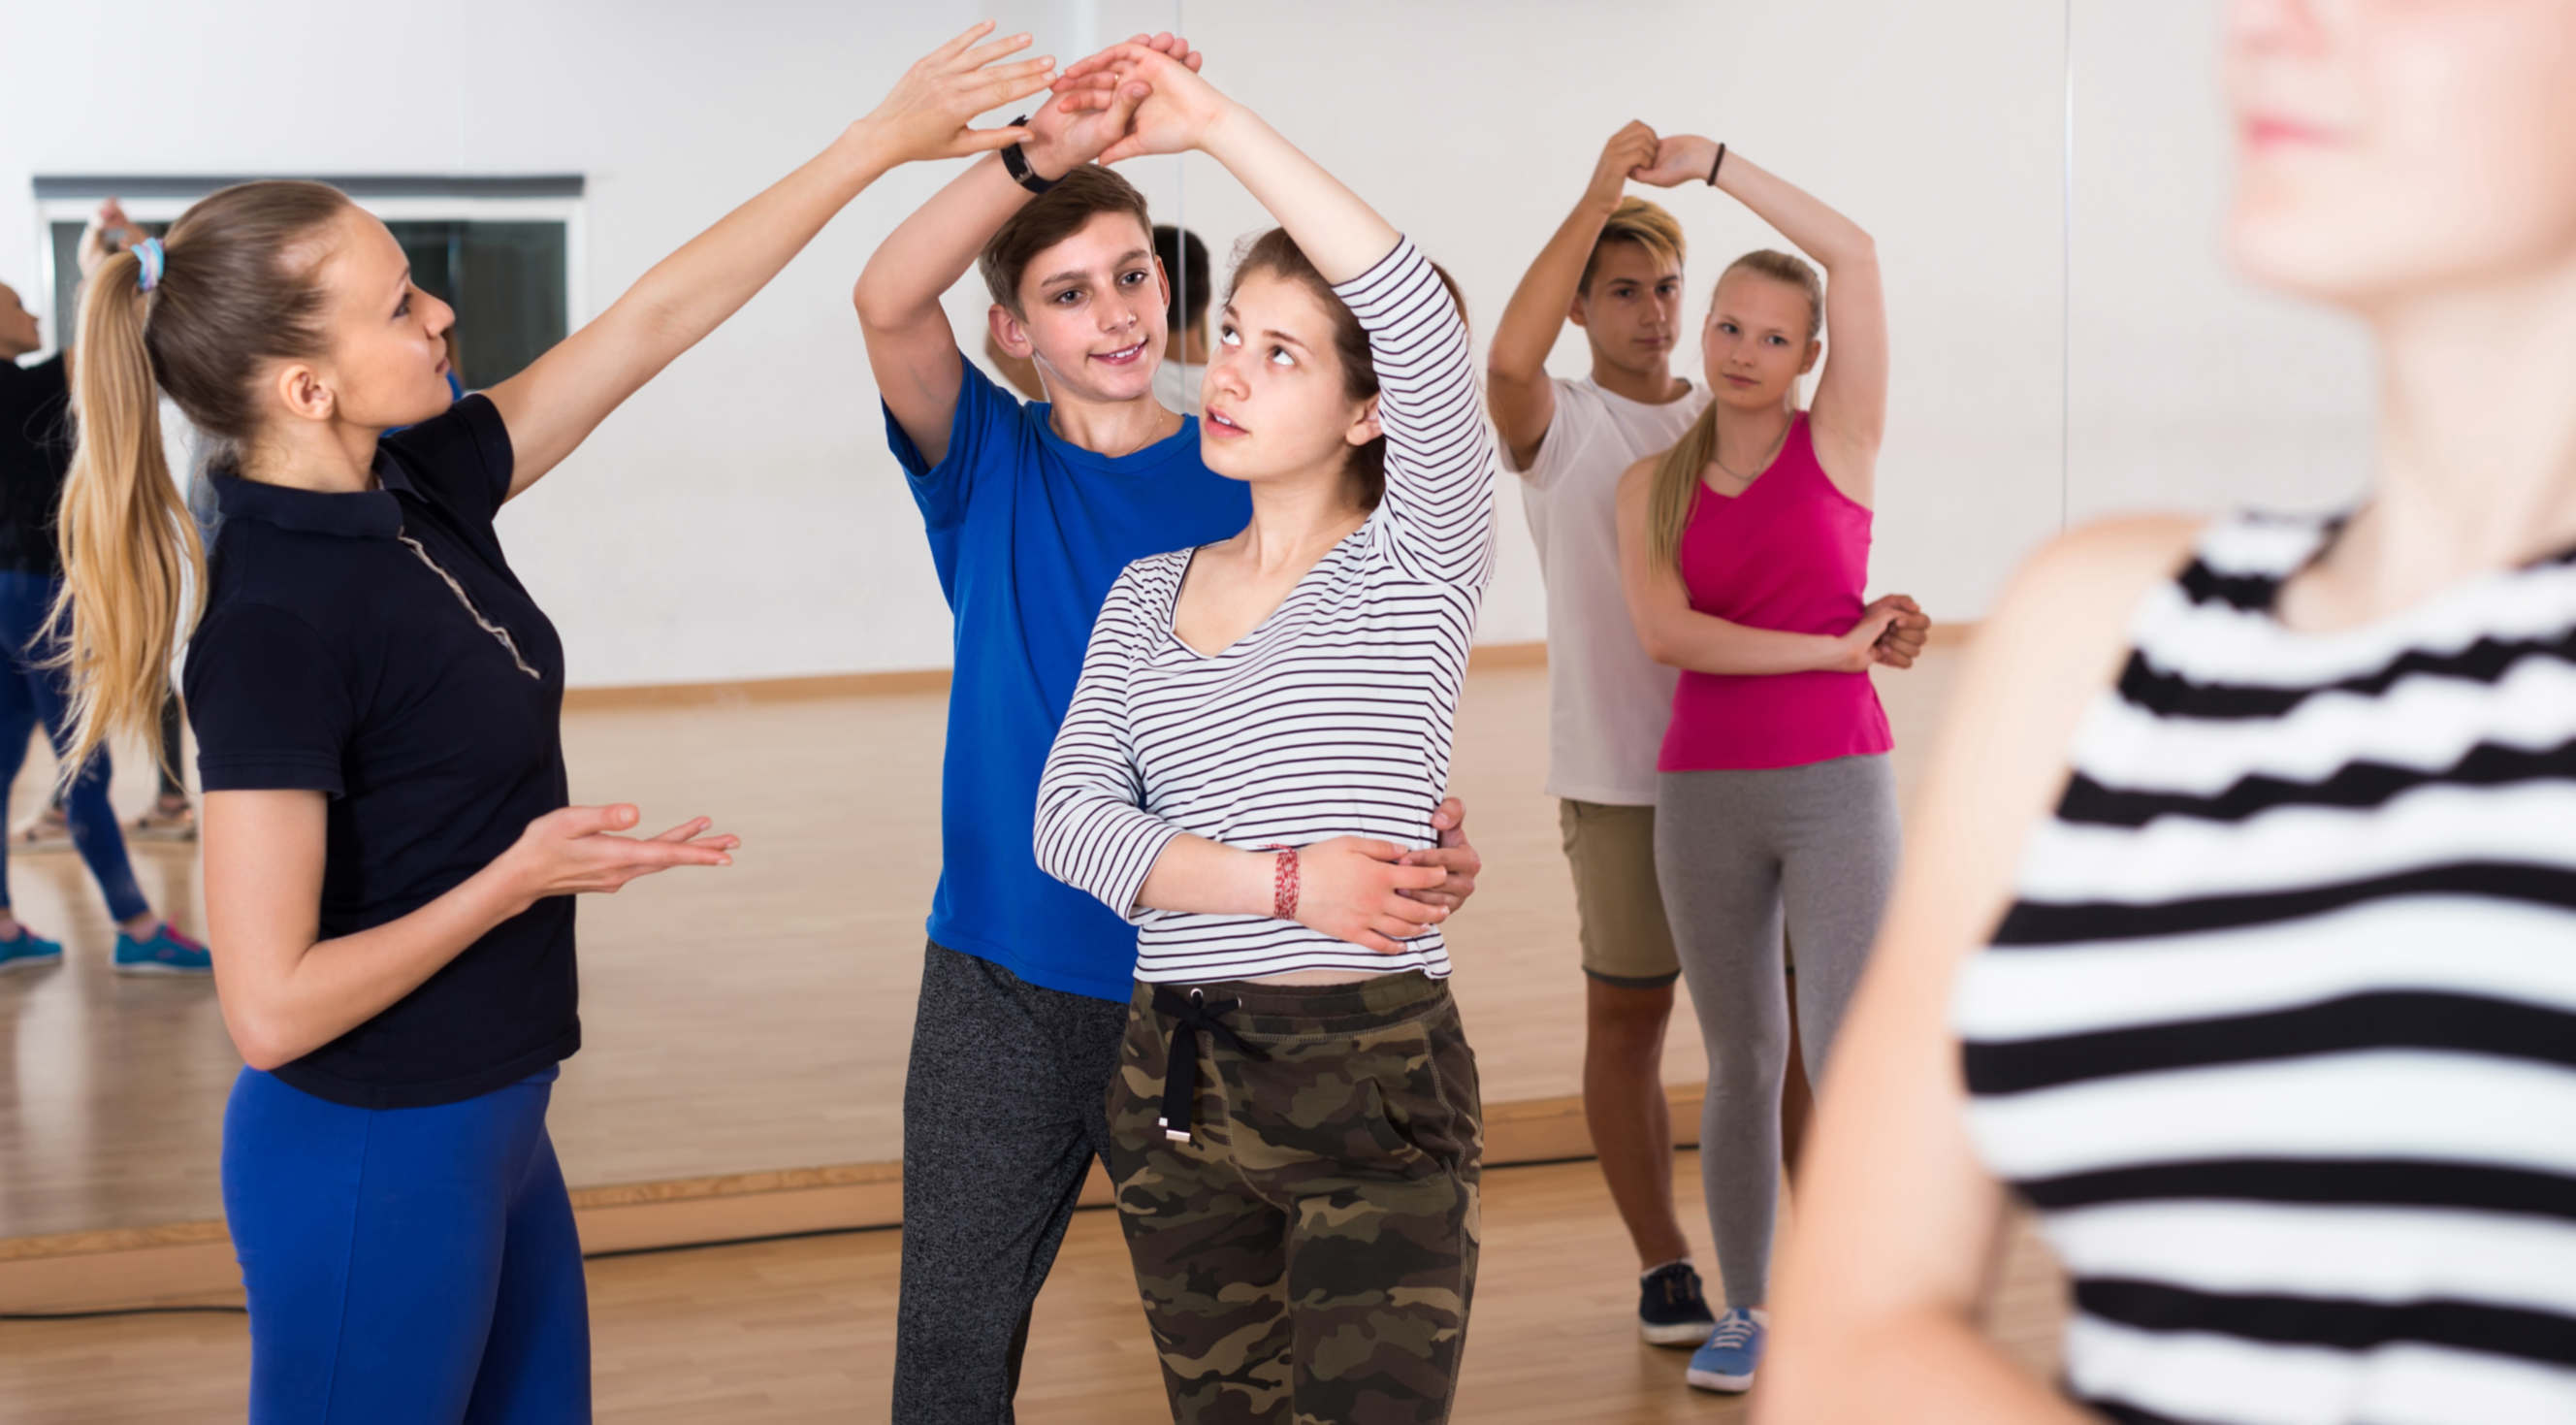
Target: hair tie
[{"x": 149, "y": 253}]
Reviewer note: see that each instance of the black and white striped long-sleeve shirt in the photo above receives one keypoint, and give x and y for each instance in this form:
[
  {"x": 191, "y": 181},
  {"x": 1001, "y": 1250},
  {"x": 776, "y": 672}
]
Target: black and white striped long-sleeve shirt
[
  {"x": 1333, "y": 717},
  {"x": 2280, "y": 1034}
]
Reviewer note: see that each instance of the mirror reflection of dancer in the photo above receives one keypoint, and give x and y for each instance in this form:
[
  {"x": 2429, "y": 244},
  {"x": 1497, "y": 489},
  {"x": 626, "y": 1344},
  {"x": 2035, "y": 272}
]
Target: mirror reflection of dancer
[
  {"x": 390, "y": 862},
  {"x": 170, "y": 817},
  {"x": 1261, "y": 732},
  {"x": 36, "y": 449},
  {"x": 1745, "y": 554},
  {"x": 2247, "y": 953}
]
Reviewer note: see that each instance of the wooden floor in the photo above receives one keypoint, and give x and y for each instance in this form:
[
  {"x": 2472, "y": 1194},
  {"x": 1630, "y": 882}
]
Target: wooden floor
[
  {"x": 754, "y": 1018},
  {"x": 802, "y": 1331}
]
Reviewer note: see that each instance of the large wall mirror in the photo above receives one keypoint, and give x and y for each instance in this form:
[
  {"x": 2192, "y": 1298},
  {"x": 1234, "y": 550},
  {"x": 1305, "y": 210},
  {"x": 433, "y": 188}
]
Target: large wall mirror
[{"x": 754, "y": 627}]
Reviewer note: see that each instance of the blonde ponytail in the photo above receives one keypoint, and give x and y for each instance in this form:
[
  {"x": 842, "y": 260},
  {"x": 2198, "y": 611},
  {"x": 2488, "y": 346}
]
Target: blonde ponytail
[
  {"x": 1676, "y": 487},
  {"x": 133, "y": 575}
]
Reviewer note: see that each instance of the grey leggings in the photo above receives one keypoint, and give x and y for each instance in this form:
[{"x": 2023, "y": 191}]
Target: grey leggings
[{"x": 1736, "y": 852}]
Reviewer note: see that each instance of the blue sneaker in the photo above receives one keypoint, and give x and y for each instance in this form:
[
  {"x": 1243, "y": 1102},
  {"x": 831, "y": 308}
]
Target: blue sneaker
[
  {"x": 26, "y": 952},
  {"x": 1733, "y": 1350},
  {"x": 1671, "y": 1308},
  {"x": 166, "y": 953}
]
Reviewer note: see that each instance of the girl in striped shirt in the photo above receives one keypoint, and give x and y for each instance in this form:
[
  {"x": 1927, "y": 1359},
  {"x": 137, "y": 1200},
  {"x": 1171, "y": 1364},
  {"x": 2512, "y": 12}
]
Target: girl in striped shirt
[
  {"x": 1259, "y": 737},
  {"x": 2247, "y": 952}
]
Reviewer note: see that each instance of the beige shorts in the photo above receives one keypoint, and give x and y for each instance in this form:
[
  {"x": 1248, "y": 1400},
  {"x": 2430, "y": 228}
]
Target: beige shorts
[{"x": 1617, "y": 902}]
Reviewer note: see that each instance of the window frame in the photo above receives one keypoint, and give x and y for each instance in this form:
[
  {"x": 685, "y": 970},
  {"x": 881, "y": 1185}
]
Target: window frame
[{"x": 150, "y": 199}]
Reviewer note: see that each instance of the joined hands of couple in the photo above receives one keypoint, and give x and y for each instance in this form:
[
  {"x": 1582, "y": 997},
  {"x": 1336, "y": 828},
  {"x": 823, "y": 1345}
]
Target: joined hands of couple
[
  {"x": 1094, "y": 114},
  {"x": 1140, "y": 96},
  {"x": 1637, "y": 153}
]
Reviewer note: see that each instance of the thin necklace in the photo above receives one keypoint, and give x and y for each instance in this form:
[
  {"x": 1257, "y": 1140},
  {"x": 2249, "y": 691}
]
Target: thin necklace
[{"x": 1767, "y": 456}]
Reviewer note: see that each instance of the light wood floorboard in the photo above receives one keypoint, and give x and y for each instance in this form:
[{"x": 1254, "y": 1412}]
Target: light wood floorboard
[
  {"x": 743, "y": 1021},
  {"x": 801, "y": 1332}
]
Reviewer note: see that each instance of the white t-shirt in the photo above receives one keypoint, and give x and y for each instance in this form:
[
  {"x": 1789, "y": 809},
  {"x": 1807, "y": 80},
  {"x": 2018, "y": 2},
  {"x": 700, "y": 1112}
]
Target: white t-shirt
[
  {"x": 1608, "y": 703},
  {"x": 1176, "y": 385}
]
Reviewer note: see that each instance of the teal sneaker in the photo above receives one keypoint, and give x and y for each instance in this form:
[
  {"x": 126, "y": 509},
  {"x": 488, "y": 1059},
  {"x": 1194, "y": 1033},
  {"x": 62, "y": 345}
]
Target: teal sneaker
[
  {"x": 1733, "y": 1350},
  {"x": 167, "y": 952},
  {"x": 26, "y": 952}
]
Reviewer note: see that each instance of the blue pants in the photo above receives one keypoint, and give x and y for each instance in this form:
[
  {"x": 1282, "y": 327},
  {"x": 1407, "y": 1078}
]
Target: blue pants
[
  {"x": 406, "y": 1266},
  {"x": 29, "y": 693}
]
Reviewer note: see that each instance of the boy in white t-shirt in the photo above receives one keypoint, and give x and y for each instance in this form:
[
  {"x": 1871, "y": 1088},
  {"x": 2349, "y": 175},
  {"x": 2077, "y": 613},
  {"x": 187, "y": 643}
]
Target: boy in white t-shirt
[{"x": 1614, "y": 269}]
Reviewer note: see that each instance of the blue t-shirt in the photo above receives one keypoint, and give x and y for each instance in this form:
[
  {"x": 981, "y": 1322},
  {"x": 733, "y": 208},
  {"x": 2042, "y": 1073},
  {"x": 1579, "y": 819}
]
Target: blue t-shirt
[{"x": 1028, "y": 532}]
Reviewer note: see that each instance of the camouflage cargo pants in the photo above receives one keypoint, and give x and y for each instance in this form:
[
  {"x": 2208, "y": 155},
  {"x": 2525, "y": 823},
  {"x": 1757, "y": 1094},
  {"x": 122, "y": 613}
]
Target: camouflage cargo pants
[{"x": 1308, "y": 1254}]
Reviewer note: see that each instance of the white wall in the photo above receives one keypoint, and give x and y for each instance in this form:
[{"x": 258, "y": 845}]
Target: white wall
[
  {"x": 2189, "y": 388},
  {"x": 741, "y": 517},
  {"x": 1474, "y": 124}
]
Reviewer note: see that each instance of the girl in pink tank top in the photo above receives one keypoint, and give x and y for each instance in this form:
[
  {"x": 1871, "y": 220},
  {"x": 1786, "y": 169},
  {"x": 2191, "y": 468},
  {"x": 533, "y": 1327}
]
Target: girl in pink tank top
[
  {"x": 1745, "y": 555},
  {"x": 1790, "y": 553}
]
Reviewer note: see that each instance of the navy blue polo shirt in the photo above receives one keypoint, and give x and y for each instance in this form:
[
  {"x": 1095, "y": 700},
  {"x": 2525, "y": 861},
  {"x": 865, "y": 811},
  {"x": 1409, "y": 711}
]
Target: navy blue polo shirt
[{"x": 336, "y": 656}]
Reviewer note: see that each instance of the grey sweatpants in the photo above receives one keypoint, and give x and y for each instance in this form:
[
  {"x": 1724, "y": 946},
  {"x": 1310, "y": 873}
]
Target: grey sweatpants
[
  {"x": 1739, "y": 854},
  {"x": 1004, "y": 1107}
]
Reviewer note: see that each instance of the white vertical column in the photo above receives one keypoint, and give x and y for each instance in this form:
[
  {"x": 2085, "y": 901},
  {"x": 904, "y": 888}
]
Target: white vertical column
[{"x": 1078, "y": 21}]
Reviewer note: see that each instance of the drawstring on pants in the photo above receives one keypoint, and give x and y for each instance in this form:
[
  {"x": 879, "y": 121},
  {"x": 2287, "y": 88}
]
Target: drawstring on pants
[{"x": 1190, "y": 1015}]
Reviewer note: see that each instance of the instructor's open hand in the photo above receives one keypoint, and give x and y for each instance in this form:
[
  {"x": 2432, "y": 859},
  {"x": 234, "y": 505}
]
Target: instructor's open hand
[
  {"x": 926, "y": 114},
  {"x": 577, "y": 850}
]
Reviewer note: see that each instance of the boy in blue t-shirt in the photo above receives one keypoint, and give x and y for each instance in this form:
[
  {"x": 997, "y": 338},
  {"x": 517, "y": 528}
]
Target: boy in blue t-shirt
[{"x": 1032, "y": 511}]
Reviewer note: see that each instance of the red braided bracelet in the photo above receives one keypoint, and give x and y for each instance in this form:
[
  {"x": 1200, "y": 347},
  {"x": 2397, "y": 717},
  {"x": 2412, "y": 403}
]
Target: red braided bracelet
[{"x": 1283, "y": 884}]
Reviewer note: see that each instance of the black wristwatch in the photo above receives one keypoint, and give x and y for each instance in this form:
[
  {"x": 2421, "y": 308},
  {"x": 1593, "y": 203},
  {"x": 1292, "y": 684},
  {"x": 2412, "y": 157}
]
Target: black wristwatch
[{"x": 1016, "y": 164}]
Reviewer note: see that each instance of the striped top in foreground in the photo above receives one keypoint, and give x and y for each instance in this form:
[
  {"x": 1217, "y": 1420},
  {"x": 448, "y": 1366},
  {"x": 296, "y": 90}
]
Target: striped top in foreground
[
  {"x": 1332, "y": 717},
  {"x": 2280, "y": 1034}
]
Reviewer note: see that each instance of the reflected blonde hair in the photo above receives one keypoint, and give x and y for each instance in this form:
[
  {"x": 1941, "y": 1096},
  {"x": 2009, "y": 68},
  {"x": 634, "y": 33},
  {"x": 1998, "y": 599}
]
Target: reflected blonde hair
[{"x": 1677, "y": 472}]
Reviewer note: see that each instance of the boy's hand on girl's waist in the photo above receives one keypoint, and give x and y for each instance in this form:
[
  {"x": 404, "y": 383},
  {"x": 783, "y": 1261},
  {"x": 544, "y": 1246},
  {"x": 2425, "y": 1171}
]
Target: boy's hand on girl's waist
[{"x": 1452, "y": 855}]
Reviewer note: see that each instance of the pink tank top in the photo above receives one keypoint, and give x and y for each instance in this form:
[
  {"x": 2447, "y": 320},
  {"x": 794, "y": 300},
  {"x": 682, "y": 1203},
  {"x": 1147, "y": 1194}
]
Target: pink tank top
[{"x": 1791, "y": 553}]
